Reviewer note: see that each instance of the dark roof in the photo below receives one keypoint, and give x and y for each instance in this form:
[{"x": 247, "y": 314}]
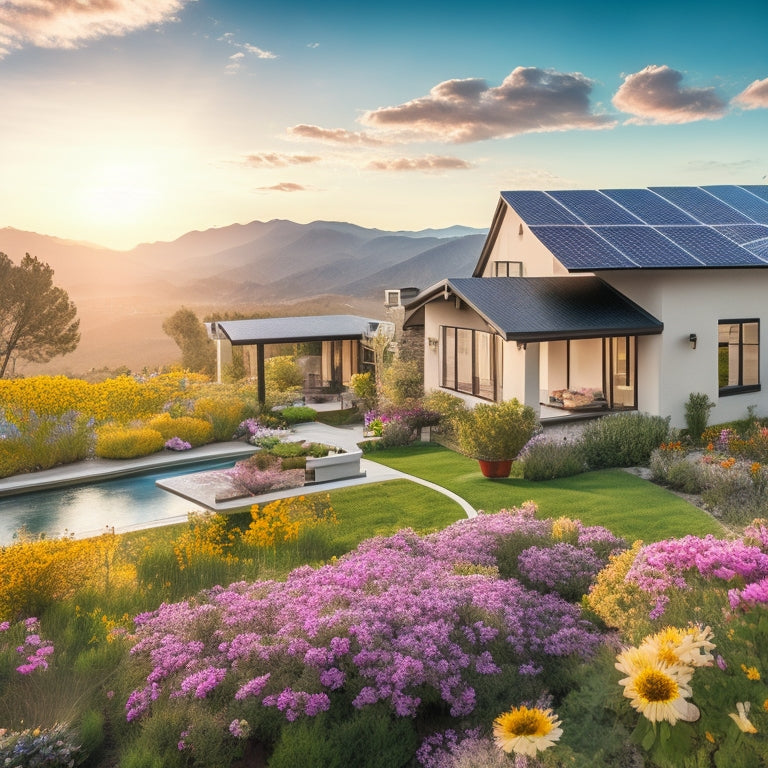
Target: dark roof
[
  {"x": 722, "y": 226},
  {"x": 286, "y": 330},
  {"x": 544, "y": 308}
]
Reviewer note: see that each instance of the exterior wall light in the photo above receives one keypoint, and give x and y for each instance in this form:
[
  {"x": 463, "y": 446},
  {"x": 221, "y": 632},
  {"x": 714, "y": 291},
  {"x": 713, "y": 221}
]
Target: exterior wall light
[
  {"x": 692, "y": 340},
  {"x": 432, "y": 342}
]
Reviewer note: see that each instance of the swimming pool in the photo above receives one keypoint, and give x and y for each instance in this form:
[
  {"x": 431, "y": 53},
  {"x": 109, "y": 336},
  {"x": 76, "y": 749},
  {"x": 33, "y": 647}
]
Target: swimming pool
[{"x": 123, "y": 504}]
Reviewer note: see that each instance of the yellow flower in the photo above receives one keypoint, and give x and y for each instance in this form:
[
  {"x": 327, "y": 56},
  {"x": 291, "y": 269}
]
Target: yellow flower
[
  {"x": 656, "y": 689},
  {"x": 751, "y": 672},
  {"x": 742, "y": 718},
  {"x": 526, "y": 731},
  {"x": 709, "y": 737}
]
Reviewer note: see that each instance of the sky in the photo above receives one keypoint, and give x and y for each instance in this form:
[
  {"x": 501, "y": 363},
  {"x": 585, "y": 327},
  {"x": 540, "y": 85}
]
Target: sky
[{"x": 130, "y": 121}]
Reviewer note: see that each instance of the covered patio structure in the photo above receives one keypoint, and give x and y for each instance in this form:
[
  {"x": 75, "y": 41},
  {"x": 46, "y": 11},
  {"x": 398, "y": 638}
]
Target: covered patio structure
[{"x": 344, "y": 341}]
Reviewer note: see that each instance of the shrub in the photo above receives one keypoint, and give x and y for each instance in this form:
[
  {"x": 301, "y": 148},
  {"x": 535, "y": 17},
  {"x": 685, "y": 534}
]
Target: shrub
[
  {"x": 297, "y": 414},
  {"x": 697, "y": 410},
  {"x": 363, "y": 387},
  {"x": 623, "y": 439},
  {"x": 403, "y": 383},
  {"x": 282, "y": 373},
  {"x": 396, "y": 433},
  {"x": 196, "y": 432},
  {"x": 671, "y": 465},
  {"x": 224, "y": 414},
  {"x": 116, "y": 442},
  {"x": 546, "y": 460},
  {"x": 494, "y": 431}
]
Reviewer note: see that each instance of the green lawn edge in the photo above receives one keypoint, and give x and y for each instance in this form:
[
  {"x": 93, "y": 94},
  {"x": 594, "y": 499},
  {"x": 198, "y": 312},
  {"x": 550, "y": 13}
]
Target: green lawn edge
[{"x": 626, "y": 504}]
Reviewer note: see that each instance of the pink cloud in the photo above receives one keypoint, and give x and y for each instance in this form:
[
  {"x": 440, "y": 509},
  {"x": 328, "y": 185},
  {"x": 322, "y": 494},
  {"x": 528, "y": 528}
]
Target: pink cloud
[
  {"x": 655, "y": 95},
  {"x": 529, "y": 100},
  {"x": 333, "y": 135},
  {"x": 285, "y": 186},
  {"x": 428, "y": 163},
  {"x": 277, "y": 159},
  {"x": 754, "y": 96},
  {"x": 70, "y": 23}
]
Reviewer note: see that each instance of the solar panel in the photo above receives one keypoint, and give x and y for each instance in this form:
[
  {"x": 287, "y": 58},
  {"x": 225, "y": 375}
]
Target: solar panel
[
  {"x": 701, "y": 205},
  {"x": 592, "y": 207},
  {"x": 759, "y": 248},
  {"x": 761, "y": 190},
  {"x": 648, "y": 206},
  {"x": 710, "y": 247},
  {"x": 743, "y": 233},
  {"x": 646, "y": 247},
  {"x": 579, "y": 248},
  {"x": 538, "y": 208},
  {"x": 744, "y": 201}
]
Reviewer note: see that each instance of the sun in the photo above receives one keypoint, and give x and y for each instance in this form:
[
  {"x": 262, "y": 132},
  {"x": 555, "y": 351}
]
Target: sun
[{"x": 117, "y": 195}]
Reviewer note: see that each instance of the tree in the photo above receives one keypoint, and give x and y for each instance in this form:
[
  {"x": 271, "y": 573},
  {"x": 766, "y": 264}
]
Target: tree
[
  {"x": 37, "y": 319},
  {"x": 198, "y": 353}
]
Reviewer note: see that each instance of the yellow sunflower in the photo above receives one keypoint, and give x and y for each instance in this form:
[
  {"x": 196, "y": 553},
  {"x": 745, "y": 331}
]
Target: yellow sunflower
[
  {"x": 655, "y": 688},
  {"x": 526, "y": 731}
]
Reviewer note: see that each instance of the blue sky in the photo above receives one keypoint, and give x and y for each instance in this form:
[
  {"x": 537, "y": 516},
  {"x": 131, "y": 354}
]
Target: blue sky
[{"x": 128, "y": 122}]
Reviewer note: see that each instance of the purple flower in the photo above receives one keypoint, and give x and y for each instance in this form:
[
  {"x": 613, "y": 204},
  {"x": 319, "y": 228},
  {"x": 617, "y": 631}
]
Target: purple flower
[{"x": 177, "y": 444}]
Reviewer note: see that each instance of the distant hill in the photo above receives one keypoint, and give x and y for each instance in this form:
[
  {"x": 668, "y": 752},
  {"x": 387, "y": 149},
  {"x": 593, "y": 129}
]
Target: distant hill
[{"x": 279, "y": 267}]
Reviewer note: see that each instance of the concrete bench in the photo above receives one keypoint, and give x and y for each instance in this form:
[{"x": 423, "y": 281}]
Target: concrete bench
[{"x": 338, "y": 466}]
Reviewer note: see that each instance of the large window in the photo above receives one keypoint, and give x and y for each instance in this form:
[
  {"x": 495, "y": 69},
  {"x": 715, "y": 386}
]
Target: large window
[
  {"x": 738, "y": 356},
  {"x": 471, "y": 362}
]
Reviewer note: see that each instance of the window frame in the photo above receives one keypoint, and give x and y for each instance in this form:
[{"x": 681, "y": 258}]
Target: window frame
[
  {"x": 505, "y": 272},
  {"x": 450, "y": 336},
  {"x": 740, "y": 387}
]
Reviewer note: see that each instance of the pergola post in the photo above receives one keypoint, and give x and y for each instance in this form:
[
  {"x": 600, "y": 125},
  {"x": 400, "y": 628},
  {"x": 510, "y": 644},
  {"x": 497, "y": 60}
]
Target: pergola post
[{"x": 260, "y": 383}]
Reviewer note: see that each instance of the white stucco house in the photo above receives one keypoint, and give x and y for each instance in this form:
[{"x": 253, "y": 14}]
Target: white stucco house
[{"x": 603, "y": 300}]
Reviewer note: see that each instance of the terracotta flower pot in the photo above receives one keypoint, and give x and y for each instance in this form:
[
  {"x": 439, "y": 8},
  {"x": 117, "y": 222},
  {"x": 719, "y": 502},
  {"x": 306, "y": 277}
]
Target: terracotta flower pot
[{"x": 499, "y": 468}]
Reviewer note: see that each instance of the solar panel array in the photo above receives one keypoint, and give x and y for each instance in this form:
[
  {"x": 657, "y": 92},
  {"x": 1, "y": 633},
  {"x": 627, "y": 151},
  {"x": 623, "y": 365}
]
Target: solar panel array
[{"x": 654, "y": 228}]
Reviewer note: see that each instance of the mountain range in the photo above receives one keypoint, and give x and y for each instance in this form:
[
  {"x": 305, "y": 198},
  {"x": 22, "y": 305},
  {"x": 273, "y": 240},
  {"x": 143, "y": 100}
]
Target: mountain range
[{"x": 277, "y": 267}]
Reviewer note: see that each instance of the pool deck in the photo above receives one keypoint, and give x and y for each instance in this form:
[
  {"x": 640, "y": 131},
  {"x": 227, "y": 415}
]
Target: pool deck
[{"x": 202, "y": 490}]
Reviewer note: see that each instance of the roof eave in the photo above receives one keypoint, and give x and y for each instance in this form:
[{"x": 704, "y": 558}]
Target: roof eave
[{"x": 589, "y": 333}]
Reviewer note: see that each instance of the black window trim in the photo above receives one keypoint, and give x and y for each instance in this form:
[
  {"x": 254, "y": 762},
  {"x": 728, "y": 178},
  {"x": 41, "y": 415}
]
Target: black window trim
[{"x": 738, "y": 389}]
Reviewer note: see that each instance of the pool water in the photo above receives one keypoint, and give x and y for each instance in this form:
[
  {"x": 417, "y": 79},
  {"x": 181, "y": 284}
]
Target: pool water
[{"x": 124, "y": 504}]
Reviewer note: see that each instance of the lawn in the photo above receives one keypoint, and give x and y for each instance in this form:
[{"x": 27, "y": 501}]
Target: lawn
[{"x": 626, "y": 504}]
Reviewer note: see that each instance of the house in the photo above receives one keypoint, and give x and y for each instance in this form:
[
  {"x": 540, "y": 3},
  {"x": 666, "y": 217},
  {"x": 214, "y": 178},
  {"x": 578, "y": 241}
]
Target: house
[
  {"x": 592, "y": 301},
  {"x": 343, "y": 345}
]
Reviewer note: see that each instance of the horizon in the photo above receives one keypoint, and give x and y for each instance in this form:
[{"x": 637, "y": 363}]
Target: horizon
[{"x": 137, "y": 123}]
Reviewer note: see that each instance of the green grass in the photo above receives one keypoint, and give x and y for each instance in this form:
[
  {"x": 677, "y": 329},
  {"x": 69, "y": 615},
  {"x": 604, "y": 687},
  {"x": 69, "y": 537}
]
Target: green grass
[{"x": 626, "y": 504}]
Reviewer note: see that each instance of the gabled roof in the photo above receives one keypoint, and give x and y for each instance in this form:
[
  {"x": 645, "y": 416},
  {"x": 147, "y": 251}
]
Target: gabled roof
[
  {"x": 543, "y": 308},
  {"x": 721, "y": 226},
  {"x": 287, "y": 330}
]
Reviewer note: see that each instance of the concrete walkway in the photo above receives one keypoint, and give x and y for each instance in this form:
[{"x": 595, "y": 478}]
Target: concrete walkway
[{"x": 93, "y": 470}]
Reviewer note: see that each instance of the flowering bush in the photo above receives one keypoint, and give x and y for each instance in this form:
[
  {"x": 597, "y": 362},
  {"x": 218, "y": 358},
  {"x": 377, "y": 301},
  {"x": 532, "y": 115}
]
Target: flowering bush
[
  {"x": 116, "y": 442},
  {"x": 392, "y": 623},
  {"x": 55, "y": 747}
]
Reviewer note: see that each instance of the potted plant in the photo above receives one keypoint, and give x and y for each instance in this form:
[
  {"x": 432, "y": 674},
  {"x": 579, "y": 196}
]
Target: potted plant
[{"x": 494, "y": 433}]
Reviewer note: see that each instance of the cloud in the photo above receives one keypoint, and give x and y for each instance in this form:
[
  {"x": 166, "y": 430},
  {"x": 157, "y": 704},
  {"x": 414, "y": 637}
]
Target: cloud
[
  {"x": 655, "y": 96},
  {"x": 754, "y": 96},
  {"x": 529, "y": 100},
  {"x": 333, "y": 135},
  {"x": 259, "y": 53},
  {"x": 285, "y": 186},
  {"x": 237, "y": 60},
  {"x": 72, "y": 23},
  {"x": 278, "y": 160},
  {"x": 427, "y": 163}
]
